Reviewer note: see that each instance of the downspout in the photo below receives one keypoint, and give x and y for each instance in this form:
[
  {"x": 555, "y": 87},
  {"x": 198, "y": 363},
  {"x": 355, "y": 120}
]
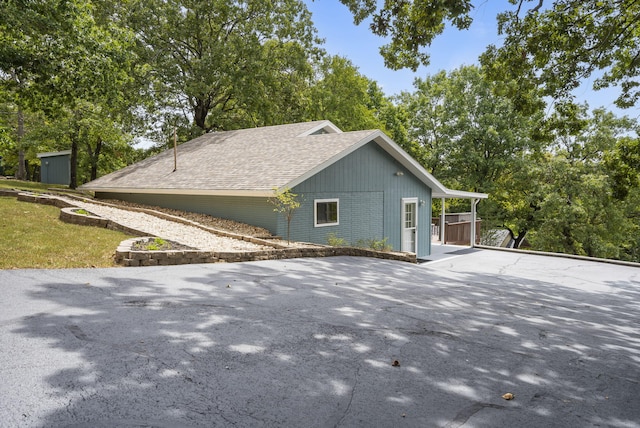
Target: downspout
[
  {"x": 474, "y": 203},
  {"x": 442, "y": 226}
]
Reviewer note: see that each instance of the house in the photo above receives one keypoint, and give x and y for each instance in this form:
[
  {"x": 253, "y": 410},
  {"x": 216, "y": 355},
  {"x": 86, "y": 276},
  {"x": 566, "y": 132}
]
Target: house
[
  {"x": 55, "y": 167},
  {"x": 355, "y": 185}
]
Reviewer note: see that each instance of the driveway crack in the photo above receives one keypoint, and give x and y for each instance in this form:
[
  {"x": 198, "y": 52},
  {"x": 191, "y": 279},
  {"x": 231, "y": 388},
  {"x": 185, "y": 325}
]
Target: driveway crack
[{"x": 353, "y": 392}]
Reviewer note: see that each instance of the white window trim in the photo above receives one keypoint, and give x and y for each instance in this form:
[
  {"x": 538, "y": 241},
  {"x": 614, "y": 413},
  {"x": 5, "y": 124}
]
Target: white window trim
[{"x": 315, "y": 212}]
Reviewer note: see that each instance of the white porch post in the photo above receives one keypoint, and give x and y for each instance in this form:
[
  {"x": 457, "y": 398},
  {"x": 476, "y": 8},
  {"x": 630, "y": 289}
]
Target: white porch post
[
  {"x": 474, "y": 203},
  {"x": 442, "y": 216}
]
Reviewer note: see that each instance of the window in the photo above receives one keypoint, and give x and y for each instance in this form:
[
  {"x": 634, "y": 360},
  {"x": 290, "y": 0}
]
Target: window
[{"x": 326, "y": 212}]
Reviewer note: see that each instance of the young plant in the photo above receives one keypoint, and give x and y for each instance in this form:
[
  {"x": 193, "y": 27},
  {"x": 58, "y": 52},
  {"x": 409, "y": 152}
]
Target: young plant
[
  {"x": 335, "y": 241},
  {"x": 286, "y": 203}
]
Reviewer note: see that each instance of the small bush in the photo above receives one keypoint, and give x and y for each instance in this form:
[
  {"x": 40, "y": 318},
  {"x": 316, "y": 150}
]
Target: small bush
[
  {"x": 335, "y": 241},
  {"x": 377, "y": 245}
]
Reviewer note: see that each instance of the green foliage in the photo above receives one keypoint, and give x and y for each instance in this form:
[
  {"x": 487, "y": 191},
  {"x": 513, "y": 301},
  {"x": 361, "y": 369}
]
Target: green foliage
[
  {"x": 335, "y": 241},
  {"x": 286, "y": 203},
  {"x": 156, "y": 244},
  {"x": 555, "y": 48},
  {"x": 229, "y": 64},
  {"x": 410, "y": 26},
  {"x": 566, "y": 181},
  {"x": 374, "y": 244},
  {"x": 344, "y": 96}
]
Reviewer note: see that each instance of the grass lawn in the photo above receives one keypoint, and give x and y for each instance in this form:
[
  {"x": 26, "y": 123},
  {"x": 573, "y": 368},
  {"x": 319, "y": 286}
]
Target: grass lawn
[
  {"x": 33, "y": 237},
  {"x": 29, "y": 185}
]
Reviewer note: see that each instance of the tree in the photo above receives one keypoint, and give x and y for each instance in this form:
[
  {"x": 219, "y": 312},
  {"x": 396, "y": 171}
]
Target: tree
[
  {"x": 467, "y": 134},
  {"x": 557, "y": 47},
  {"x": 410, "y": 26},
  {"x": 286, "y": 203},
  {"x": 471, "y": 138},
  {"x": 553, "y": 45},
  {"x": 580, "y": 211},
  {"x": 64, "y": 56},
  {"x": 222, "y": 61},
  {"x": 344, "y": 96}
]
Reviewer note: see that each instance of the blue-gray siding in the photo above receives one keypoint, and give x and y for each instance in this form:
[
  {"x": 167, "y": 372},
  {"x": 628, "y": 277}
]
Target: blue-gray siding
[
  {"x": 255, "y": 211},
  {"x": 370, "y": 195},
  {"x": 55, "y": 169},
  {"x": 366, "y": 183}
]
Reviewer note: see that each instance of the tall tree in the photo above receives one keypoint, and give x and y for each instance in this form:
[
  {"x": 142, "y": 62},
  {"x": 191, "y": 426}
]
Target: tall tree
[
  {"x": 552, "y": 44},
  {"x": 474, "y": 139},
  {"x": 344, "y": 96},
  {"x": 63, "y": 55},
  {"x": 580, "y": 212},
  {"x": 468, "y": 135},
  {"x": 216, "y": 60}
]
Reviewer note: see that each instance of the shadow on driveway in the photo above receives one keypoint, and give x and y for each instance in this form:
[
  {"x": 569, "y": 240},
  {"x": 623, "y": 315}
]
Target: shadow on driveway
[{"x": 311, "y": 342}]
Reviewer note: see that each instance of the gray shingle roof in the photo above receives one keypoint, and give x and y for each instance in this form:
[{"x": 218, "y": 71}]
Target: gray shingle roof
[
  {"x": 255, "y": 161},
  {"x": 248, "y": 160}
]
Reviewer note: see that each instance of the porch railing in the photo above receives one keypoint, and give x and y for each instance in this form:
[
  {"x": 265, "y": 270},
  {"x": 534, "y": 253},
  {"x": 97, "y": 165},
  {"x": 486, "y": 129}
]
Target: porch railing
[{"x": 455, "y": 233}]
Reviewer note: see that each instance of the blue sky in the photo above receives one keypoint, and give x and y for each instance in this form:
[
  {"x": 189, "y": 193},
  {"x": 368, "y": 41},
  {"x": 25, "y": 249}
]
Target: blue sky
[{"x": 450, "y": 50}]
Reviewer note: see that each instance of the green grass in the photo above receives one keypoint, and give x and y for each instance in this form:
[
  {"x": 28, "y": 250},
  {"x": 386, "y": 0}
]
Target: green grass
[
  {"x": 32, "y": 236},
  {"x": 29, "y": 185}
]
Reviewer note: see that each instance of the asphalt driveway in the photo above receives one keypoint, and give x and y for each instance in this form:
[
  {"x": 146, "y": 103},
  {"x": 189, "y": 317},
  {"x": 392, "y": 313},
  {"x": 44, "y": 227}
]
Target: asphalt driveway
[{"x": 312, "y": 343}]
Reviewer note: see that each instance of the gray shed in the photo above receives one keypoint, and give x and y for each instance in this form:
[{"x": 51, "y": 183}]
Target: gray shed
[
  {"x": 354, "y": 185},
  {"x": 55, "y": 167}
]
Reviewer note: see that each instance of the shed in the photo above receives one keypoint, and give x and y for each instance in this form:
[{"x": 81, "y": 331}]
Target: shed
[
  {"x": 55, "y": 167},
  {"x": 357, "y": 186}
]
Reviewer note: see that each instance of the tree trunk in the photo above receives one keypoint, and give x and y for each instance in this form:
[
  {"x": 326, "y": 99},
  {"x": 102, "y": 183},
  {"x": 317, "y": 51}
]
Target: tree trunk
[
  {"x": 21, "y": 174},
  {"x": 94, "y": 156},
  {"x": 519, "y": 239},
  {"x": 73, "y": 182},
  {"x": 201, "y": 111}
]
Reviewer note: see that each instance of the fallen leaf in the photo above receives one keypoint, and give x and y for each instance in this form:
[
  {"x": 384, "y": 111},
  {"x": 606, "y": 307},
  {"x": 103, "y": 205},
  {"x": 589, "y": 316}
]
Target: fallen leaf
[
  {"x": 395, "y": 363},
  {"x": 508, "y": 396}
]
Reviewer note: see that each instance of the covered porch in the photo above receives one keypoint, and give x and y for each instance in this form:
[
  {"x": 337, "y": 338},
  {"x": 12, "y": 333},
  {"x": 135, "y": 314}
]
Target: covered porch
[{"x": 459, "y": 228}]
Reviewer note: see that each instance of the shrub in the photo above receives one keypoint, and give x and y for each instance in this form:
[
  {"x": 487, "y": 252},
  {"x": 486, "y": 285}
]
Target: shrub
[{"x": 335, "y": 241}]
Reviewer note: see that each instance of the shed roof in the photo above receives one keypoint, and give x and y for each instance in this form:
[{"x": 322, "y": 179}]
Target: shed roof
[
  {"x": 252, "y": 162},
  {"x": 53, "y": 154}
]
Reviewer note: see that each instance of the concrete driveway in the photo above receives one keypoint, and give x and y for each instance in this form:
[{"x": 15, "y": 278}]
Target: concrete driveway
[{"x": 311, "y": 343}]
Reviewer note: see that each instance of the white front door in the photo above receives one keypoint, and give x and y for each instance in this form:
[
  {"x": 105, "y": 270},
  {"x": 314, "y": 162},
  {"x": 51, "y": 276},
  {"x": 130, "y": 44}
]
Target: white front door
[{"x": 409, "y": 224}]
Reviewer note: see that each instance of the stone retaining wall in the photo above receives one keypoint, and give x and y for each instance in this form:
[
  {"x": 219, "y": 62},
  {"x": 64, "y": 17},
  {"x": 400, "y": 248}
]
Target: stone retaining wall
[
  {"x": 69, "y": 215},
  {"x": 126, "y": 256}
]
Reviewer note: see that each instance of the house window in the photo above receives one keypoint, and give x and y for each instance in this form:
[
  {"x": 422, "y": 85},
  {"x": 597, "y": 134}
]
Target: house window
[{"x": 326, "y": 212}]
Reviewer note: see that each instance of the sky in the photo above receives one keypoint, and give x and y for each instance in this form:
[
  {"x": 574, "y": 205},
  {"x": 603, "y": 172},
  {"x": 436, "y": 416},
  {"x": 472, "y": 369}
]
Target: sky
[{"x": 449, "y": 50}]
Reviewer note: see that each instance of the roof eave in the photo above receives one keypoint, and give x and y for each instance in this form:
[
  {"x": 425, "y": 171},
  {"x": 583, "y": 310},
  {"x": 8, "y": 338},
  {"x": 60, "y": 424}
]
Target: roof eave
[
  {"x": 189, "y": 192},
  {"x": 459, "y": 194}
]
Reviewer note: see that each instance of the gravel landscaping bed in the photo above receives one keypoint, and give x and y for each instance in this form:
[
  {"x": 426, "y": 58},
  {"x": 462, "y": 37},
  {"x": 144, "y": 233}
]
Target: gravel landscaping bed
[{"x": 203, "y": 219}]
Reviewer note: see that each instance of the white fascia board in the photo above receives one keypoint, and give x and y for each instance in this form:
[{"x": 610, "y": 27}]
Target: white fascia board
[
  {"x": 438, "y": 189},
  {"x": 459, "y": 194},
  {"x": 325, "y": 124},
  {"x": 188, "y": 192}
]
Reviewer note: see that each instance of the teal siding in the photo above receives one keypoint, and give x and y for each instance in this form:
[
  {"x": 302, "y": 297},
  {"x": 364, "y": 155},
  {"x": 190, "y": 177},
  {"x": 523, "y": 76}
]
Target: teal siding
[
  {"x": 255, "y": 211},
  {"x": 370, "y": 196},
  {"x": 360, "y": 217},
  {"x": 366, "y": 184},
  {"x": 55, "y": 169}
]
